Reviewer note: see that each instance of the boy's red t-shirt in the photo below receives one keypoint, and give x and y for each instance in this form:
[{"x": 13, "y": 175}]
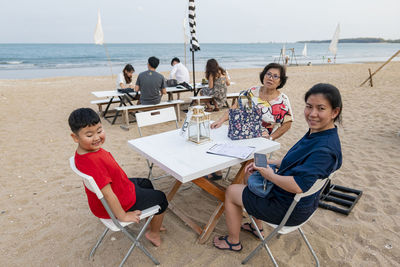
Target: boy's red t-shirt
[{"x": 105, "y": 170}]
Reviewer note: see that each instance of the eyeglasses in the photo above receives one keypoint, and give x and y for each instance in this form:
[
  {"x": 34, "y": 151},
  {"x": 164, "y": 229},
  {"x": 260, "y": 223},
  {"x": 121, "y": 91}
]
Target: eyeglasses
[{"x": 273, "y": 76}]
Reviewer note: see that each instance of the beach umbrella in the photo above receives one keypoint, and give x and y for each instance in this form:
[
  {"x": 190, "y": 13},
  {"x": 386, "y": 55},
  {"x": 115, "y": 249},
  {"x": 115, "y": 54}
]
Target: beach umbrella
[
  {"x": 334, "y": 42},
  {"x": 194, "y": 44}
]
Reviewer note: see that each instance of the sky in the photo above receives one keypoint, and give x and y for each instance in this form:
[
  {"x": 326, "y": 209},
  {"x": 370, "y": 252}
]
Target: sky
[{"x": 218, "y": 21}]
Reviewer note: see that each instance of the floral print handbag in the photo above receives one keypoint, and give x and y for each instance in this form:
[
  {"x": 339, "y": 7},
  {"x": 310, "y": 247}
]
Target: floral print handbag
[{"x": 245, "y": 121}]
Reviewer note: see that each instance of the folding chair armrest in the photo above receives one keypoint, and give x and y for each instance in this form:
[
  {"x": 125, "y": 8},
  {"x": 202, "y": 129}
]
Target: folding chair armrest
[{"x": 150, "y": 211}]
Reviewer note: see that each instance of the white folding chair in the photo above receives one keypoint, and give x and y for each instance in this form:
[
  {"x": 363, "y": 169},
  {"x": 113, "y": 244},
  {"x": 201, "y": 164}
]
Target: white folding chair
[
  {"x": 282, "y": 229},
  {"x": 153, "y": 117},
  {"x": 113, "y": 224}
]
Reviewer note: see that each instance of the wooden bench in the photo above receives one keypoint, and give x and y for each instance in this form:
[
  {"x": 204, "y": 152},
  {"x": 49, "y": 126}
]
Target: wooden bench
[
  {"x": 202, "y": 99},
  {"x": 126, "y": 109},
  {"x": 101, "y": 102}
]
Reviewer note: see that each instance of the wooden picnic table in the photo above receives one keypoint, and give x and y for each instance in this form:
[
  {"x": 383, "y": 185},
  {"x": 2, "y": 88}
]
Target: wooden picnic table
[{"x": 109, "y": 97}]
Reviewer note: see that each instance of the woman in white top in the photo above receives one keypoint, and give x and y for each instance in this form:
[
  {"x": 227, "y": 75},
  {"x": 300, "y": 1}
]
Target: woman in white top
[
  {"x": 277, "y": 114},
  {"x": 125, "y": 77}
]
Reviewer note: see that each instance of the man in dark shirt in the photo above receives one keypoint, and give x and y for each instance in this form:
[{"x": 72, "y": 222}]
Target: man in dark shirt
[{"x": 151, "y": 84}]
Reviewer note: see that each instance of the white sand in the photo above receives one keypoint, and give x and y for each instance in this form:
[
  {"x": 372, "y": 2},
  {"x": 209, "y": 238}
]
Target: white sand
[{"x": 45, "y": 220}]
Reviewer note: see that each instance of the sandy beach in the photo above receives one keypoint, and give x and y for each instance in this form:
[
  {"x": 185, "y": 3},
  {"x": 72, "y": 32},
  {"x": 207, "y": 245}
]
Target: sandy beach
[{"x": 45, "y": 219}]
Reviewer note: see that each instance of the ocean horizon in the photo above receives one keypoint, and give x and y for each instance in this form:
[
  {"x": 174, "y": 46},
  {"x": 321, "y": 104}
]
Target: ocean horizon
[{"x": 42, "y": 60}]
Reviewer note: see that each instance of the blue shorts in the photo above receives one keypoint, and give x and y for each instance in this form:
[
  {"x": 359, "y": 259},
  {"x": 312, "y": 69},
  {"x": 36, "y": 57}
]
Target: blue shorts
[{"x": 269, "y": 209}]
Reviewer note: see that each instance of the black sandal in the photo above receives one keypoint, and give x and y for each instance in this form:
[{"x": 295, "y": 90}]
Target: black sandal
[
  {"x": 225, "y": 238},
  {"x": 251, "y": 230},
  {"x": 215, "y": 176}
]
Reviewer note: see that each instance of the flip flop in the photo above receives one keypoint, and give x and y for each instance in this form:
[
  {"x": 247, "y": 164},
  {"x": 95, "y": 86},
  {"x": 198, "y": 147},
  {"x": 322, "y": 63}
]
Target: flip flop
[
  {"x": 225, "y": 238},
  {"x": 251, "y": 230}
]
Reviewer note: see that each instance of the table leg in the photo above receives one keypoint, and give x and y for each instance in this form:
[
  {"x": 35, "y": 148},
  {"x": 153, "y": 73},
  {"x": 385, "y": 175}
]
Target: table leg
[
  {"x": 178, "y": 212},
  {"x": 213, "y": 189},
  {"x": 212, "y": 222},
  {"x": 173, "y": 190},
  {"x": 239, "y": 178},
  {"x": 108, "y": 106},
  {"x": 170, "y": 97},
  {"x": 178, "y": 112},
  {"x": 125, "y": 114},
  {"x": 219, "y": 192}
]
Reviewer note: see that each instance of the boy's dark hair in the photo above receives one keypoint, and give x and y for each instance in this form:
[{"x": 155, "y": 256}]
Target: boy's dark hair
[
  {"x": 175, "y": 59},
  {"x": 282, "y": 71},
  {"x": 330, "y": 93},
  {"x": 82, "y": 117},
  {"x": 153, "y": 62}
]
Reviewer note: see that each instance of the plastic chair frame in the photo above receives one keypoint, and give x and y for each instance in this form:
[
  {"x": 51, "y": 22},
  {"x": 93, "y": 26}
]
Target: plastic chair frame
[
  {"x": 282, "y": 229},
  {"x": 121, "y": 226},
  {"x": 169, "y": 115}
]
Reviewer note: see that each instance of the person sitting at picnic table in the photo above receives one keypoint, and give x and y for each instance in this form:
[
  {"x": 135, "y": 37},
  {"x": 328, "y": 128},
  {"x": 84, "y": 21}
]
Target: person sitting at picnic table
[
  {"x": 125, "y": 196},
  {"x": 217, "y": 85},
  {"x": 277, "y": 113},
  {"x": 125, "y": 77},
  {"x": 179, "y": 71},
  {"x": 125, "y": 83},
  {"x": 151, "y": 84},
  {"x": 315, "y": 156}
]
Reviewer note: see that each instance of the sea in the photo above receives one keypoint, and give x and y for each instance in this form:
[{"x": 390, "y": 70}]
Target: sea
[{"x": 27, "y": 61}]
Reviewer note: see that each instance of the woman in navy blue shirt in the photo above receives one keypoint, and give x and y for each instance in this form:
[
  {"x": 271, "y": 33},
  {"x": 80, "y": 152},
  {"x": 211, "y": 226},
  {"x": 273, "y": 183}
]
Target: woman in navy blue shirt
[{"x": 315, "y": 156}]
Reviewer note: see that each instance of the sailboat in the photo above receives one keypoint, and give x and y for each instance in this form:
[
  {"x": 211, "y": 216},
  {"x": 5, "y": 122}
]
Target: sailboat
[
  {"x": 334, "y": 42},
  {"x": 304, "y": 53}
]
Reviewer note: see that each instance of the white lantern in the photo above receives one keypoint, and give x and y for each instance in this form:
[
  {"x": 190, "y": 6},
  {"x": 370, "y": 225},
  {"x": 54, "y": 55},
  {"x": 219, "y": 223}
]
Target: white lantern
[{"x": 199, "y": 125}]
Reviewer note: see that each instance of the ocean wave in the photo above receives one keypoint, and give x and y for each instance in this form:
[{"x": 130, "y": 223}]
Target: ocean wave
[{"x": 13, "y": 62}]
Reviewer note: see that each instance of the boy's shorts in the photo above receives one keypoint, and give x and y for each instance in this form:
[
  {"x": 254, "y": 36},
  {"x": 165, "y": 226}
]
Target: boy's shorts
[{"x": 147, "y": 196}]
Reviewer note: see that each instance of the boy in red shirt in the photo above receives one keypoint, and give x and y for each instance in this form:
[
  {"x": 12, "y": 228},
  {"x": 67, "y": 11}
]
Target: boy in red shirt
[{"x": 125, "y": 196}]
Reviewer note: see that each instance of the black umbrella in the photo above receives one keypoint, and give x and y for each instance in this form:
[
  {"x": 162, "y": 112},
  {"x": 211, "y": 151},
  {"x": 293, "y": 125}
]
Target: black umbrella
[{"x": 194, "y": 44}]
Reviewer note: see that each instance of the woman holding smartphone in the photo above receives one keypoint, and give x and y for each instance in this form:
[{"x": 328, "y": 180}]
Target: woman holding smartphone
[{"x": 315, "y": 156}]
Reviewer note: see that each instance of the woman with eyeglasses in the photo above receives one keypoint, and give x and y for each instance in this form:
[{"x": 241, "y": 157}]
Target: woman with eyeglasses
[{"x": 277, "y": 114}]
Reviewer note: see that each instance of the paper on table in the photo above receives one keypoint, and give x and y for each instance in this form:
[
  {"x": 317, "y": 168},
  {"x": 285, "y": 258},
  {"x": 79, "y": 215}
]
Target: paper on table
[{"x": 230, "y": 150}]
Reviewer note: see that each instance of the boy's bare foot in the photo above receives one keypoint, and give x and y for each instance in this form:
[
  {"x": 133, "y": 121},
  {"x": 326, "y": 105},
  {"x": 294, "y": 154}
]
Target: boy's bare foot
[
  {"x": 163, "y": 229},
  {"x": 155, "y": 239}
]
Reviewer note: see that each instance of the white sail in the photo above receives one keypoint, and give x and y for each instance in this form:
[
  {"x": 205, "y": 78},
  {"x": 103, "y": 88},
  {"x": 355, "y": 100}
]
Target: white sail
[
  {"x": 304, "y": 53},
  {"x": 335, "y": 40},
  {"x": 98, "y": 33}
]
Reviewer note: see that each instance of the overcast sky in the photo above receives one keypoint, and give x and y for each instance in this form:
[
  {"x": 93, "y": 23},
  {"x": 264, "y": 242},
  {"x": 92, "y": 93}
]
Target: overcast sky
[{"x": 218, "y": 21}]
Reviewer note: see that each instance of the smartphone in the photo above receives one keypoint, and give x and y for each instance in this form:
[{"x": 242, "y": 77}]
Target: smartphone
[{"x": 260, "y": 160}]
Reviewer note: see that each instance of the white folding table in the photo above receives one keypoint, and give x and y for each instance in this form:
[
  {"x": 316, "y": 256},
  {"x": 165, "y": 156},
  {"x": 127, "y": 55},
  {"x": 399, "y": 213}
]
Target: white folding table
[{"x": 189, "y": 162}]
